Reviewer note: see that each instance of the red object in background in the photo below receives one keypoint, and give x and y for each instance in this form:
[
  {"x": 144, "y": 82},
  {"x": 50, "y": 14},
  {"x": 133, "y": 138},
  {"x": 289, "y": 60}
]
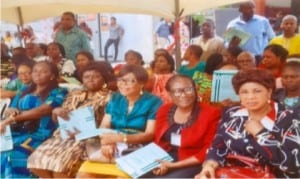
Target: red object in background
[{"x": 251, "y": 170}]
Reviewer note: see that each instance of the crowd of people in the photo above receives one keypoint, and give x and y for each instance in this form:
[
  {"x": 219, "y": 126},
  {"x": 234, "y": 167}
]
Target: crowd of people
[{"x": 170, "y": 107}]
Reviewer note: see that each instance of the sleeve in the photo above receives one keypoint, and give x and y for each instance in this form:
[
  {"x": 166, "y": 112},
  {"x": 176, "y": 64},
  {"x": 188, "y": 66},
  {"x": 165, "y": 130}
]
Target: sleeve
[
  {"x": 85, "y": 42},
  {"x": 218, "y": 150},
  {"x": 213, "y": 120},
  {"x": 154, "y": 105},
  {"x": 281, "y": 145},
  {"x": 56, "y": 97},
  {"x": 11, "y": 85},
  {"x": 15, "y": 101},
  {"x": 269, "y": 31},
  {"x": 110, "y": 104}
]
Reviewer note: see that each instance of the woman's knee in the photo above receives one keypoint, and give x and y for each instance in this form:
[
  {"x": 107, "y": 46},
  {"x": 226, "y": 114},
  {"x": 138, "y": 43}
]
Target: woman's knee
[{"x": 41, "y": 173}]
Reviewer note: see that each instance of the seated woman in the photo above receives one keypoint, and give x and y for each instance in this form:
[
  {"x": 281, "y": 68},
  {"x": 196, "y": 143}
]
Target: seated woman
[
  {"x": 274, "y": 58},
  {"x": 194, "y": 125},
  {"x": 56, "y": 54},
  {"x": 163, "y": 68},
  {"x": 289, "y": 95},
  {"x": 83, "y": 58},
  {"x": 30, "y": 119},
  {"x": 259, "y": 128},
  {"x": 131, "y": 111},
  {"x": 61, "y": 158},
  {"x": 24, "y": 79},
  {"x": 203, "y": 80},
  {"x": 131, "y": 57}
]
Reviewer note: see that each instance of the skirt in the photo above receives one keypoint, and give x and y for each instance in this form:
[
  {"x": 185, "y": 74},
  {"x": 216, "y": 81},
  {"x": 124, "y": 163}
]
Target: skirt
[{"x": 58, "y": 155}]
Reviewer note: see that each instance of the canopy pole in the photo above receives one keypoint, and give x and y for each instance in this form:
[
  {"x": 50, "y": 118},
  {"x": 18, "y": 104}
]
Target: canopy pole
[
  {"x": 177, "y": 34},
  {"x": 20, "y": 26}
]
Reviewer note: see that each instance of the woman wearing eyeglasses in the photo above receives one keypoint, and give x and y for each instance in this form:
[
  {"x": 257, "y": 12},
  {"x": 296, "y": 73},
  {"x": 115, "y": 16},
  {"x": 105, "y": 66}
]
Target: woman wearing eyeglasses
[
  {"x": 185, "y": 129},
  {"x": 131, "y": 112}
]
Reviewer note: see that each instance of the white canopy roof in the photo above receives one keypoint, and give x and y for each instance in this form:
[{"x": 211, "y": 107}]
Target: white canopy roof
[{"x": 24, "y": 11}]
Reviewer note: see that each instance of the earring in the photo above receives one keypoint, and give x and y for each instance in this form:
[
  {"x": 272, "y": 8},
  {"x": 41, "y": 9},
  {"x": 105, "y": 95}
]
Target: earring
[
  {"x": 141, "y": 92},
  {"x": 104, "y": 86}
]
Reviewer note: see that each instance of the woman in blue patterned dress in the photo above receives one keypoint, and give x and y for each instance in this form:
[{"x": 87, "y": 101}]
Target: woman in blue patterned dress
[
  {"x": 30, "y": 119},
  {"x": 259, "y": 129}
]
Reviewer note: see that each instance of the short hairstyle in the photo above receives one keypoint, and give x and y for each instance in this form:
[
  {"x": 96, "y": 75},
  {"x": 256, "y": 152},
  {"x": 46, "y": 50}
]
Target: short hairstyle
[
  {"x": 137, "y": 54},
  {"x": 279, "y": 51},
  {"x": 293, "y": 65},
  {"x": 28, "y": 63},
  {"x": 180, "y": 76},
  {"x": 19, "y": 59},
  {"x": 69, "y": 13},
  {"x": 234, "y": 51},
  {"x": 99, "y": 67},
  {"x": 289, "y": 16},
  {"x": 248, "y": 3},
  {"x": 196, "y": 50},
  {"x": 169, "y": 58},
  {"x": 60, "y": 47},
  {"x": 114, "y": 18},
  {"x": 22, "y": 50},
  {"x": 43, "y": 47},
  {"x": 209, "y": 21},
  {"x": 260, "y": 76},
  {"x": 139, "y": 72},
  {"x": 87, "y": 54},
  {"x": 213, "y": 62},
  {"x": 251, "y": 55}
]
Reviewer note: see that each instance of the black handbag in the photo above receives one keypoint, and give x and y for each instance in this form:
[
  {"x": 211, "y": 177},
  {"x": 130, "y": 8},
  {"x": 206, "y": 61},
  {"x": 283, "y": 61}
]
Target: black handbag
[{"x": 25, "y": 126}]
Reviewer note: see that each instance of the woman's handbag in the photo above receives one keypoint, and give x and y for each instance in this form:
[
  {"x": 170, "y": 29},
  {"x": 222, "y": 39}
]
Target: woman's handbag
[{"x": 252, "y": 169}]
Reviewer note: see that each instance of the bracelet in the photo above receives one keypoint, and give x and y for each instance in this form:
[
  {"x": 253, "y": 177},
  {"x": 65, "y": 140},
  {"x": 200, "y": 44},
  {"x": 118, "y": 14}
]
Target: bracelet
[{"x": 124, "y": 138}]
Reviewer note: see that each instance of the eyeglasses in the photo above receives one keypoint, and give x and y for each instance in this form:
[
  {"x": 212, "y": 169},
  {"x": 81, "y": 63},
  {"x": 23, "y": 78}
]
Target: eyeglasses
[
  {"x": 187, "y": 91},
  {"x": 126, "y": 81}
]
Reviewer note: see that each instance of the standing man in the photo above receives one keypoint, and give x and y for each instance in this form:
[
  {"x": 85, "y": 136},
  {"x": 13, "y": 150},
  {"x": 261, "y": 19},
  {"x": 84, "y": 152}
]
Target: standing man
[
  {"x": 71, "y": 37},
  {"x": 209, "y": 41},
  {"x": 257, "y": 26},
  {"x": 115, "y": 34},
  {"x": 289, "y": 39},
  {"x": 162, "y": 32}
]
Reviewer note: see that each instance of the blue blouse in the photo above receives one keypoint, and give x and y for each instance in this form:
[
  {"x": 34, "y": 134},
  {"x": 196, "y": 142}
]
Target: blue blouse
[
  {"x": 30, "y": 101},
  {"x": 144, "y": 109}
]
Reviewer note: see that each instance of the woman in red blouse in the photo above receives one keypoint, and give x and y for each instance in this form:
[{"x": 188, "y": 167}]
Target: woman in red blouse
[{"x": 184, "y": 128}]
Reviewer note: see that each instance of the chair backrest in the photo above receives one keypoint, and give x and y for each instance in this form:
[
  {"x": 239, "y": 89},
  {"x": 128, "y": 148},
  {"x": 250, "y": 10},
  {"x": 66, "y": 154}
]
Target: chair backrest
[{"x": 4, "y": 104}]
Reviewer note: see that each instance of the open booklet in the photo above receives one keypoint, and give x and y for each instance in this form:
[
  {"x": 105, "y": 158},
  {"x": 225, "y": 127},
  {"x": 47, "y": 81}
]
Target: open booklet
[
  {"x": 142, "y": 160},
  {"x": 222, "y": 87},
  {"x": 6, "y": 142},
  {"x": 231, "y": 32},
  {"x": 81, "y": 121}
]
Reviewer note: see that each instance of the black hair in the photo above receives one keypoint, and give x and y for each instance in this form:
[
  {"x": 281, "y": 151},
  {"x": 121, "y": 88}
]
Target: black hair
[
  {"x": 292, "y": 64},
  {"x": 101, "y": 67},
  {"x": 51, "y": 85},
  {"x": 213, "y": 62},
  {"x": 43, "y": 47},
  {"x": 61, "y": 48},
  {"x": 169, "y": 58},
  {"x": 279, "y": 51},
  {"x": 29, "y": 63},
  {"x": 139, "y": 72},
  {"x": 87, "y": 54},
  {"x": 69, "y": 13},
  {"x": 196, "y": 109}
]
